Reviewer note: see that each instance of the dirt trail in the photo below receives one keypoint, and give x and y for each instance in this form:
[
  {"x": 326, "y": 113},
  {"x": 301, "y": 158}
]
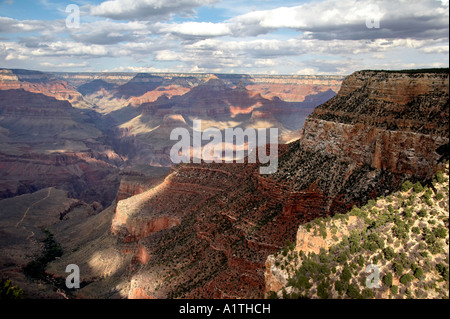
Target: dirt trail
[{"x": 29, "y": 207}]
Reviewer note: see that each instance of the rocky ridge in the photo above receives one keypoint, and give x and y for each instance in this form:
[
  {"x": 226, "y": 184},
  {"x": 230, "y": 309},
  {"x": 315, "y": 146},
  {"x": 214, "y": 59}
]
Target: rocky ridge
[{"x": 404, "y": 235}]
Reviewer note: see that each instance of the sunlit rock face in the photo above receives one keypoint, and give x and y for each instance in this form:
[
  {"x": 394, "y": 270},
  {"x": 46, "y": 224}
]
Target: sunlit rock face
[{"x": 39, "y": 82}]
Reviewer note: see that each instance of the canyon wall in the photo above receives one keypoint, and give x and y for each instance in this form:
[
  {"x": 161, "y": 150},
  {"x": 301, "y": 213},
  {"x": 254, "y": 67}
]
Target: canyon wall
[
  {"x": 381, "y": 129},
  {"x": 47, "y": 142},
  {"x": 40, "y": 82}
]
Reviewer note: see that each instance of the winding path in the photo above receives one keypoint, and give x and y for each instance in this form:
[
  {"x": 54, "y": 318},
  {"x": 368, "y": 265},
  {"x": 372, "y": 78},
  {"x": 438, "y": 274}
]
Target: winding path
[{"x": 29, "y": 207}]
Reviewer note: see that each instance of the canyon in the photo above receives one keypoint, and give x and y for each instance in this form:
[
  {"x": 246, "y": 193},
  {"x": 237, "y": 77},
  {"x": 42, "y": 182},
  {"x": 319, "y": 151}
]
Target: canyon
[
  {"x": 78, "y": 131},
  {"x": 206, "y": 230}
]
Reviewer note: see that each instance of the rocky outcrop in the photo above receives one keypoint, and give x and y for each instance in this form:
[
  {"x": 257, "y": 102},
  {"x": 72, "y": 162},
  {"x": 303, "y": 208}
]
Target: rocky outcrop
[
  {"x": 394, "y": 235},
  {"x": 389, "y": 121},
  {"x": 138, "y": 179},
  {"x": 380, "y": 130},
  {"x": 369, "y": 139}
]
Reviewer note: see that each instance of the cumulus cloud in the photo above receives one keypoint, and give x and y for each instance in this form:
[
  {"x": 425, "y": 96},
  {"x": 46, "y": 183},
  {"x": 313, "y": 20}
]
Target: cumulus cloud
[
  {"x": 328, "y": 36},
  {"x": 107, "y": 32},
  {"x": 9, "y": 25},
  {"x": 145, "y": 9},
  {"x": 196, "y": 29},
  {"x": 336, "y": 19}
]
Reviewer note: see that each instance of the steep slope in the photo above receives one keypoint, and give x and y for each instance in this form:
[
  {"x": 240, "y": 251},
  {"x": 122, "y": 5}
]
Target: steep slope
[
  {"x": 47, "y": 142},
  {"x": 95, "y": 86},
  {"x": 25, "y": 221},
  {"x": 403, "y": 236},
  {"x": 363, "y": 142},
  {"x": 206, "y": 231}
]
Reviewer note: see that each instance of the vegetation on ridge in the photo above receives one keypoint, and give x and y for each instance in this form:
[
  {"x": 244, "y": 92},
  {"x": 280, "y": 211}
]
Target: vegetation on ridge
[{"x": 404, "y": 234}]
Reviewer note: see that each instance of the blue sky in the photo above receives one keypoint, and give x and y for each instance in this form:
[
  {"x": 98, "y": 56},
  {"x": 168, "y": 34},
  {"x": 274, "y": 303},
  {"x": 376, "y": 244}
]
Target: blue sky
[{"x": 228, "y": 36}]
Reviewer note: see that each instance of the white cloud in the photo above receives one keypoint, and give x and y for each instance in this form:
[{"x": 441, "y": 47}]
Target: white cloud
[
  {"x": 196, "y": 29},
  {"x": 64, "y": 65},
  {"x": 138, "y": 69},
  {"x": 336, "y": 19},
  {"x": 9, "y": 25},
  {"x": 145, "y": 9},
  {"x": 435, "y": 49},
  {"x": 328, "y": 36},
  {"x": 108, "y": 32},
  {"x": 167, "y": 55},
  {"x": 307, "y": 71}
]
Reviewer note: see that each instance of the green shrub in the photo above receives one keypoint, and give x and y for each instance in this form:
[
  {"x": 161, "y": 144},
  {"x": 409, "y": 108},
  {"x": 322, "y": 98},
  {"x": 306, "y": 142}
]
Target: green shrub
[
  {"x": 341, "y": 258},
  {"x": 272, "y": 295},
  {"x": 322, "y": 290},
  {"x": 424, "y": 253},
  {"x": 418, "y": 187},
  {"x": 8, "y": 291},
  {"x": 418, "y": 273},
  {"x": 367, "y": 293},
  {"x": 442, "y": 269},
  {"x": 422, "y": 212},
  {"x": 435, "y": 248},
  {"x": 339, "y": 286},
  {"x": 387, "y": 280},
  {"x": 439, "y": 196},
  {"x": 394, "y": 290},
  {"x": 353, "y": 292},
  {"x": 360, "y": 261},
  {"x": 346, "y": 274},
  {"x": 389, "y": 253},
  {"x": 406, "y": 186},
  {"x": 398, "y": 268},
  {"x": 440, "y": 232},
  {"x": 401, "y": 231},
  {"x": 375, "y": 241},
  {"x": 371, "y": 246},
  {"x": 428, "y": 193},
  {"x": 371, "y": 203},
  {"x": 406, "y": 278},
  {"x": 303, "y": 283},
  {"x": 408, "y": 212},
  {"x": 440, "y": 177}
]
